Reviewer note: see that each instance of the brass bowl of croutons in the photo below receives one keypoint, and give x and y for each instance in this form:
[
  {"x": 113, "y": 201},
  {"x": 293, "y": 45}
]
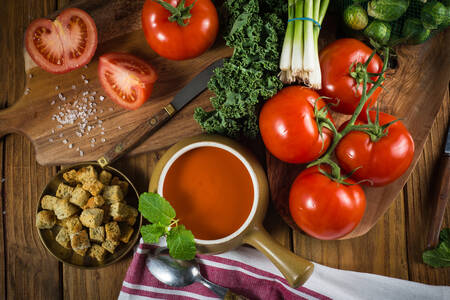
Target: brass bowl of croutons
[{"x": 87, "y": 216}]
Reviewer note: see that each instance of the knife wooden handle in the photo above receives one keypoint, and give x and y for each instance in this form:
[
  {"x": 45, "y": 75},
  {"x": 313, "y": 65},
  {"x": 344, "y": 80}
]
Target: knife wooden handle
[
  {"x": 138, "y": 135},
  {"x": 443, "y": 190}
]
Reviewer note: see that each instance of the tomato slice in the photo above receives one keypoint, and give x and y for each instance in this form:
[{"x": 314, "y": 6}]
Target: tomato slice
[
  {"x": 62, "y": 45},
  {"x": 127, "y": 80}
]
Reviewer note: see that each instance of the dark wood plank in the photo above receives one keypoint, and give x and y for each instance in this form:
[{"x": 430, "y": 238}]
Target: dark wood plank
[{"x": 420, "y": 195}]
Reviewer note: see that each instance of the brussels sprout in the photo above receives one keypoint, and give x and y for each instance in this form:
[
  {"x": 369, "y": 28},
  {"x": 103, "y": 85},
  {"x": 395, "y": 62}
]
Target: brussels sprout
[
  {"x": 433, "y": 14},
  {"x": 387, "y": 10},
  {"x": 378, "y": 31},
  {"x": 414, "y": 31},
  {"x": 355, "y": 17}
]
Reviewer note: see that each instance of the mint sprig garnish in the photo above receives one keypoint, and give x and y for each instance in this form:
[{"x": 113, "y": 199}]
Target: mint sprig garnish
[{"x": 161, "y": 214}]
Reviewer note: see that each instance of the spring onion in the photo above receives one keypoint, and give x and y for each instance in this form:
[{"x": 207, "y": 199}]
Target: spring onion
[{"x": 299, "y": 61}]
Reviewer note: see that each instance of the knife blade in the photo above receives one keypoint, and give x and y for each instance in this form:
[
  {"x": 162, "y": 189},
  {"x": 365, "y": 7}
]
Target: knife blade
[
  {"x": 197, "y": 85},
  {"x": 447, "y": 143}
]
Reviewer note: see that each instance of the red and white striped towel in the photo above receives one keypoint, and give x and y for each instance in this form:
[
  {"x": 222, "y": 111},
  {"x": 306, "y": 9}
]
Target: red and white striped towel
[{"x": 249, "y": 273}]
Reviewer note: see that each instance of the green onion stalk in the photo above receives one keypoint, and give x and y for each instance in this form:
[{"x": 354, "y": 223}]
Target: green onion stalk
[{"x": 299, "y": 61}]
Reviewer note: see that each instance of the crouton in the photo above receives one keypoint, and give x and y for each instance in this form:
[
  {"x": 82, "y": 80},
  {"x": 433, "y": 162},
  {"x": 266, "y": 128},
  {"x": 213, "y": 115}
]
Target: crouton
[
  {"x": 64, "y": 209},
  {"x": 79, "y": 197},
  {"x": 96, "y": 201},
  {"x": 70, "y": 177},
  {"x": 112, "y": 231},
  {"x": 122, "y": 183},
  {"x": 97, "y": 234},
  {"x": 48, "y": 202},
  {"x": 64, "y": 191},
  {"x": 126, "y": 232},
  {"x": 45, "y": 219},
  {"x": 93, "y": 186},
  {"x": 97, "y": 252},
  {"x": 106, "y": 216},
  {"x": 91, "y": 217},
  {"x": 131, "y": 220},
  {"x": 63, "y": 238},
  {"x": 72, "y": 224},
  {"x": 110, "y": 246},
  {"x": 80, "y": 242},
  {"x": 119, "y": 211},
  {"x": 86, "y": 174},
  {"x": 112, "y": 194},
  {"x": 105, "y": 177}
]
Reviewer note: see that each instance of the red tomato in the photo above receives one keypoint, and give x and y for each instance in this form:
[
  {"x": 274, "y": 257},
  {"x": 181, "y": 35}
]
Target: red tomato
[
  {"x": 127, "y": 80},
  {"x": 323, "y": 208},
  {"x": 174, "y": 41},
  {"x": 288, "y": 125},
  {"x": 67, "y": 43},
  {"x": 337, "y": 83},
  {"x": 381, "y": 161}
]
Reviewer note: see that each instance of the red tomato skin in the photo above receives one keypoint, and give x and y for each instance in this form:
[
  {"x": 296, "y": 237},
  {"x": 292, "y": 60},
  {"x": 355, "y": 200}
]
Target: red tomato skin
[
  {"x": 172, "y": 41},
  {"x": 288, "y": 126},
  {"x": 335, "y": 62},
  {"x": 381, "y": 162},
  {"x": 323, "y": 208}
]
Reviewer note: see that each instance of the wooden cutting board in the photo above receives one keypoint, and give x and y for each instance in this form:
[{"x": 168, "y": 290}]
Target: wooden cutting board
[
  {"x": 119, "y": 29},
  {"x": 414, "y": 93}
]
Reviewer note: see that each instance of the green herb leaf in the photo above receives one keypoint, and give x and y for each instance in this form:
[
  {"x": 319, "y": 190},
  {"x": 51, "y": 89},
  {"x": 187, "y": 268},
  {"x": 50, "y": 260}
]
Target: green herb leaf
[
  {"x": 181, "y": 244},
  {"x": 439, "y": 257},
  {"x": 156, "y": 209},
  {"x": 151, "y": 233}
]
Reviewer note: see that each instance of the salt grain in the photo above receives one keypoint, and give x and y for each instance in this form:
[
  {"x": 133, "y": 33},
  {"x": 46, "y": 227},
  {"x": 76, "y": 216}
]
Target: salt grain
[
  {"x": 92, "y": 145},
  {"x": 102, "y": 133},
  {"x": 53, "y": 102},
  {"x": 93, "y": 93},
  {"x": 83, "y": 76},
  {"x": 61, "y": 135},
  {"x": 30, "y": 75},
  {"x": 81, "y": 153},
  {"x": 65, "y": 141},
  {"x": 86, "y": 81},
  {"x": 101, "y": 98},
  {"x": 111, "y": 109},
  {"x": 119, "y": 127},
  {"x": 73, "y": 87},
  {"x": 103, "y": 140},
  {"x": 53, "y": 130},
  {"x": 85, "y": 66},
  {"x": 50, "y": 140},
  {"x": 70, "y": 146},
  {"x": 56, "y": 87}
]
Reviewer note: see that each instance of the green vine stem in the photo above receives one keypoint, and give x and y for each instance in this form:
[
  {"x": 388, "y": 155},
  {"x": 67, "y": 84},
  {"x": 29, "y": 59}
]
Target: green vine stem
[
  {"x": 368, "y": 128},
  {"x": 179, "y": 13}
]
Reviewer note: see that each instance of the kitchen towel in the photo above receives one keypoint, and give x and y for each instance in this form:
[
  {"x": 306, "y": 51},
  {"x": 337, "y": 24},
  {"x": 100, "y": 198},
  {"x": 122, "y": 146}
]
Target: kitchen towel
[{"x": 249, "y": 273}]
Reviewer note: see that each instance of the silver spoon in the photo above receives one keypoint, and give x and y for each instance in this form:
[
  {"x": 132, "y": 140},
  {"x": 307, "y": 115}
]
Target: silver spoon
[{"x": 179, "y": 273}]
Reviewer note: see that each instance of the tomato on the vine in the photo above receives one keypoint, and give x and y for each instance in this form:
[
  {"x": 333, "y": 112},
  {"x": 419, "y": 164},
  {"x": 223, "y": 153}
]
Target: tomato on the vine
[
  {"x": 178, "y": 29},
  {"x": 288, "y": 125},
  {"x": 341, "y": 77},
  {"x": 380, "y": 157},
  {"x": 62, "y": 45},
  {"x": 127, "y": 80},
  {"x": 323, "y": 208}
]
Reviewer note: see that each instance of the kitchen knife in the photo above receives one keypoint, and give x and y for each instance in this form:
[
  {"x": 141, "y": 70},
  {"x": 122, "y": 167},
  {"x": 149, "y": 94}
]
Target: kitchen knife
[
  {"x": 442, "y": 198},
  {"x": 147, "y": 128}
]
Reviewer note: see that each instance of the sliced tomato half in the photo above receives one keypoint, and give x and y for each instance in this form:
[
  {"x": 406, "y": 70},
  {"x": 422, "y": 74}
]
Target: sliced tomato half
[
  {"x": 62, "y": 45},
  {"x": 127, "y": 80}
]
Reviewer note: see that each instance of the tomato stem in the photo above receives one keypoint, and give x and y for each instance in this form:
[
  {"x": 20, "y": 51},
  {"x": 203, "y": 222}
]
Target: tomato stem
[{"x": 180, "y": 14}]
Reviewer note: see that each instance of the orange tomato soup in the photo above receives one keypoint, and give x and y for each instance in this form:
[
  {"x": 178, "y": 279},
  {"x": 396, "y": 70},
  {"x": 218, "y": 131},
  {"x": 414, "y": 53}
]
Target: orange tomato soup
[{"x": 211, "y": 191}]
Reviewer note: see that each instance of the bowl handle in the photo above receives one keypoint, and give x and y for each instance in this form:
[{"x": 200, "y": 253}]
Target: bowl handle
[{"x": 294, "y": 268}]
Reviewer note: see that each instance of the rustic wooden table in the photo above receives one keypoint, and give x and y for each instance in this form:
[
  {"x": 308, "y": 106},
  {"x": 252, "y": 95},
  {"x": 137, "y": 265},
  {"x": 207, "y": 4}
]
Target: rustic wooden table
[{"x": 392, "y": 248}]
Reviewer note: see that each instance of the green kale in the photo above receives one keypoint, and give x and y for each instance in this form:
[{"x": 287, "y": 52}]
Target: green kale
[
  {"x": 440, "y": 256},
  {"x": 255, "y": 30}
]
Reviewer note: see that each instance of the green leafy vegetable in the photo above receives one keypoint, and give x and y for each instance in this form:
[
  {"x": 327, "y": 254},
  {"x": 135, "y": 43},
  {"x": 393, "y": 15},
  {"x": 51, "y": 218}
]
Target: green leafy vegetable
[
  {"x": 414, "y": 32},
  {"x": 378, "y": 31},
  {"x": 440, "y": 256},
  {"x": 355, "y": 16},
  {"x": 158, "y": 210},
  {"x": 387, "y": 10},
  {"x": 255, "y": 31},
  {"x": 433, "y": 14}
]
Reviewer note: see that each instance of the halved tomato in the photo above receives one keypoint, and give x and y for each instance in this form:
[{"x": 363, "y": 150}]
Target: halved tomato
[
  {"x": 62, "y": 45},
  {"x": 127, "y": 80}
]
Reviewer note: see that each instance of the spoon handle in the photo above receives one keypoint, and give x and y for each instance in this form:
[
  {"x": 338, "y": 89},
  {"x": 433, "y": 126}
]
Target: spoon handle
[{"x": 217, "y": 289}]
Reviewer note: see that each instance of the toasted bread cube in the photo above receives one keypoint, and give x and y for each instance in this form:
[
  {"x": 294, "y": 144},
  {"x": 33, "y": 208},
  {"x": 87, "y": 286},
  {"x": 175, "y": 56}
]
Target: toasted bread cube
[
  {"x": 72, "y": 224},
  {"x": 122, "y": 183},
  {"x": 79, "y": 197},
  {"x": 126, "y": 232},
  {"x": 80, "y": 242},
  {"x": 97, "y": 252},
  {"x": 119, "y": 211},
  {"x": 64, "y": 191},
  {"x": 86, "y": 174},
  {"x": 63, "y": 238},
  {"x": 91, "y": 217},
  {"x": 96, "y": 201},
  {"x": 97, "y": 234},
  {"x": 112, "y": 194},
  {"x": 131, "y": 220},
  {"x": 94, "y": 186},
  {"x": 70, "y": 177},
  {"x": 106, "y": 217},
  {"x": 48, "y": 202},
  {"x": 110, "y": 245},
  {"x": 112, "y": 231},
  {"x": 64, "y": 209},
  {"x": 105, "y": 177},
  {"x": 45, "y": 219}
]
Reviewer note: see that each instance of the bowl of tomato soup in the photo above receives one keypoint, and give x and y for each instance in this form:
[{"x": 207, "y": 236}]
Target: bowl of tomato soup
[{"x": 219, "y": 191}]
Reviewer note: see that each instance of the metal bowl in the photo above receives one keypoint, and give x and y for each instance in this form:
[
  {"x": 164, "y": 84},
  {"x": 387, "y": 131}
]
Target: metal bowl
[{"x": 68, "y": 256}]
